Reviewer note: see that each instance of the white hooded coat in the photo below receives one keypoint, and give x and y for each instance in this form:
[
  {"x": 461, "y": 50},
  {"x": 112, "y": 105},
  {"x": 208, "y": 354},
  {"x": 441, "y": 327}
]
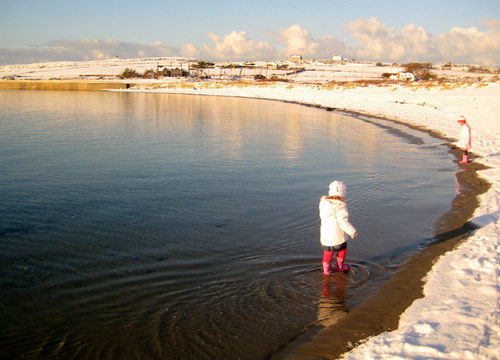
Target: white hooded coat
[
  {"x": 335, "y": 225},
  {"x": 464, "y": 140}
]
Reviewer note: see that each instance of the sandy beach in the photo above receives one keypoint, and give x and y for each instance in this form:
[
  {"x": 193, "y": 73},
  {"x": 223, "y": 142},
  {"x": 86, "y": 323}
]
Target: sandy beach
[{"x": 443, "y": 304}]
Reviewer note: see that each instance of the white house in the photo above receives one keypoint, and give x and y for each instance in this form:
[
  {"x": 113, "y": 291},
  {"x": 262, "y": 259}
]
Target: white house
[
  {"x": 295, "y": 58},
  {"x": 405, "y": 76}
]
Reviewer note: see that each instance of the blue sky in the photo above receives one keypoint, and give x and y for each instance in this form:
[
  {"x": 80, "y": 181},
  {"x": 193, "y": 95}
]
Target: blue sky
[{"x": 378, "y": 30}]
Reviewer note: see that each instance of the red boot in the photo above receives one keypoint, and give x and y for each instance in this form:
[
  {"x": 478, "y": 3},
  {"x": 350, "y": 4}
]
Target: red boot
[
  {"x": 465, "y": 159},
  {"x": 327, "y": 260},
  {"x": 344, "y": 267},
  {"x": 327, "y": 269},
  {"x": 341, "y": 266}
]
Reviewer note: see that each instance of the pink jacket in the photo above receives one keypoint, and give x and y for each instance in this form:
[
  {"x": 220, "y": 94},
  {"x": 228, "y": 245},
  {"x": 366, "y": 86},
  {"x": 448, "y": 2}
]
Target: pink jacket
[{"x": 335, "y": 225}]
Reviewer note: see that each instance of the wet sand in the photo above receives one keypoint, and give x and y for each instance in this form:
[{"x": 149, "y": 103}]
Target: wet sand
[{"x": 381, "y": 312}]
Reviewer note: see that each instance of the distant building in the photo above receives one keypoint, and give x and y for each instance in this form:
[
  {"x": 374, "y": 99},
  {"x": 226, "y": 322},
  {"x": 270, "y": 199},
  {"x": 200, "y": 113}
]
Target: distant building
[
  {"x": 446, "y": 66},
  {"x": 295, "y": 58},
  {"x": 272, "y": 66},
  {"x": 455, "y": 67},
  {"x": 405, "y": 76},
  {"x": 337, "y": 58},
  {"x": 178, "y": 72}
]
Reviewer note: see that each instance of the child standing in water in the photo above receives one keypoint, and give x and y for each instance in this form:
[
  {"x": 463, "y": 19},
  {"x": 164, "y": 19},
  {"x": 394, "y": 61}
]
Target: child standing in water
[{"x": 335, "y": 227}]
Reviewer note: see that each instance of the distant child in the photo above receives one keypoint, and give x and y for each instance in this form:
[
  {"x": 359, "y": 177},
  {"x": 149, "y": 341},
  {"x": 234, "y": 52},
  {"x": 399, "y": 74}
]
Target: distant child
[
  {"x": 464, "y": 140},
  {"x": 335, "y": 227}
]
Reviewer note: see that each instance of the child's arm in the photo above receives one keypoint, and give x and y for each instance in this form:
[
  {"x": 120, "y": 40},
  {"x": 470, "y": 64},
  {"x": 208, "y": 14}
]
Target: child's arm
[{"x": 344, "y": 224}]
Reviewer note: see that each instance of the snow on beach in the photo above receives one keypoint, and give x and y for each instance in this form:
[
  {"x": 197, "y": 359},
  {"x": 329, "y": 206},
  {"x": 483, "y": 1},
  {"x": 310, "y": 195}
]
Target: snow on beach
[{"x": 458, "y": 316}]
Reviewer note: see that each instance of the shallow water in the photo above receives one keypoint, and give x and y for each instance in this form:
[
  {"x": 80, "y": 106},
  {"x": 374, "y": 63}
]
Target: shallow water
[{"x": 158, "y": 226}]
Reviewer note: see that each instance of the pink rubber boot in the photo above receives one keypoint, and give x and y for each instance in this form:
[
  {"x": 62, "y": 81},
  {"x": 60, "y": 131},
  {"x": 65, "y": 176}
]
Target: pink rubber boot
[
  {"x": 326, "y": 268},
  {"x": 465, "y": 159},
  {"x": 327, "y": 260},
  {"x": 340, "y": 261}
]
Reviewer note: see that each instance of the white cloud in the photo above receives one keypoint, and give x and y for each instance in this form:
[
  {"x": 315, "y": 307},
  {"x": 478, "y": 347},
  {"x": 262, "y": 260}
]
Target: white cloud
[
  {"x": 189, "y": 51},
  {"x": 470, "y": 46},
  {"x": 85, "y": 49},
  {"x": 237, "y": 46},
  {"x": 492, "y": 23},
  {"x": 414, "y": 44},
  {"x": 377, "y": 42},
  {"x": 91, "y": 49},
  {"x": 297, "y": 40},
  {"x": 292, "y": 40}
]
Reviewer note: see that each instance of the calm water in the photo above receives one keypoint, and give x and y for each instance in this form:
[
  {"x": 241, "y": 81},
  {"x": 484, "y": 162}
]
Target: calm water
[{"x": 153, "y": 226}]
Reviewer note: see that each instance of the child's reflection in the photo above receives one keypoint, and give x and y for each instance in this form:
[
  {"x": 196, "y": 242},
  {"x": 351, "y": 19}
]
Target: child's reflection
[
  {"x": 462, "y": 189},
  {"x": 331, "y": 305}
]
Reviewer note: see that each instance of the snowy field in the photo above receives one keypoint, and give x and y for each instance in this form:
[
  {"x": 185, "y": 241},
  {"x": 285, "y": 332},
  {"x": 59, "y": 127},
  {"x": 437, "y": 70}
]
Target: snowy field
[
  {"x": 305, "y": 71},
  {"x": 458, "y": 316}
]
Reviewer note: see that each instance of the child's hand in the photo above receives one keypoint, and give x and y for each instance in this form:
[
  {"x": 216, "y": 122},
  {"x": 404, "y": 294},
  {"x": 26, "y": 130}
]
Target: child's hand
[{"x": 355, "y": 235}]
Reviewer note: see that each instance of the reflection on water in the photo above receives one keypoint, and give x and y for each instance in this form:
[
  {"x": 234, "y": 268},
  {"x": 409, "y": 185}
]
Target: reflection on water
[
  {"x": 331, "y": 306},
  {"x": 161, "y": 226},
  {"x": 336, "y": 290}
]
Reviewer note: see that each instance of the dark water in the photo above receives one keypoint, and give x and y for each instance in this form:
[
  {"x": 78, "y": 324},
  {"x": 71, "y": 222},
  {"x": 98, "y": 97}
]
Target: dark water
[{"x": 153, "y": 226}]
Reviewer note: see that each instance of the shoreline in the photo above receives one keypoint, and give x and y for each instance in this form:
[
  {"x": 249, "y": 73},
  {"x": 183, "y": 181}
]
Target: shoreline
[
  {"x": 382, "y": 311},
  {"x": 62, "y": 85}
]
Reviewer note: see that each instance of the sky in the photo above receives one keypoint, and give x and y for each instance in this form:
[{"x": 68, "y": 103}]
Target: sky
[{"x": 438, "y": 31}]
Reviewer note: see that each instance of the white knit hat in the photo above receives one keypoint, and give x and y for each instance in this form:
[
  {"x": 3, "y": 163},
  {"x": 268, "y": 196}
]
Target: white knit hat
[{"x": 337, "y": 188}]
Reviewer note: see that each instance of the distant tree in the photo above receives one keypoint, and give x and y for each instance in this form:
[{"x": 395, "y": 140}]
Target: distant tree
[
  {"x": 203, "y": 65},
  {"x": 163, "y": 72},
  {"x": 426, "y": 75},
  {"x": 150, "y": 74},
  {"x": 420, "y": 70},
  {"x": 479, "y": 69},
  {"x": 128, "y": 73},
  {"x": 415, "y": 67}
]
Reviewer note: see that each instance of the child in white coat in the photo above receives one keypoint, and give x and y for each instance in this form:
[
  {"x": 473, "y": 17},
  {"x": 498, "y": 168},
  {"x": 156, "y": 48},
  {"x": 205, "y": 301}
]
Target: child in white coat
[
  {"x": 335, "y": 227},
  {"x": 464, "y": 140}
]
